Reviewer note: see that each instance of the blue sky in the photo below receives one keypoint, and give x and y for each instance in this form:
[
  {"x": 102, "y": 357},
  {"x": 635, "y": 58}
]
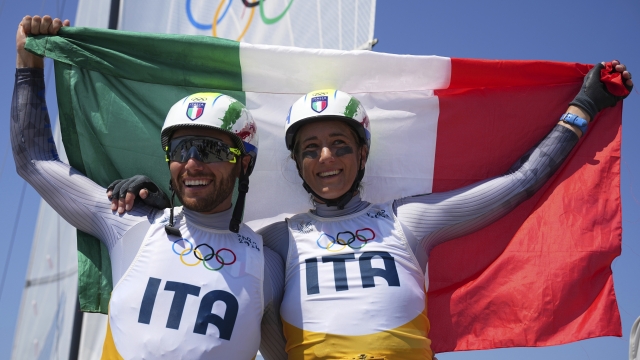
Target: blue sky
[{"x": 583, "y": 31}]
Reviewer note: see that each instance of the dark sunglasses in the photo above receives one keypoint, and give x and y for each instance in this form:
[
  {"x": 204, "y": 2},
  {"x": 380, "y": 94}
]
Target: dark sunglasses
[{"x": 205, "y": 149}]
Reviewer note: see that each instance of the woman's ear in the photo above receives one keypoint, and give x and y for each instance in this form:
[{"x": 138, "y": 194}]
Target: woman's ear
[
  {"x": 295, "y": 160},
  {"x": 364, "y": 151}
]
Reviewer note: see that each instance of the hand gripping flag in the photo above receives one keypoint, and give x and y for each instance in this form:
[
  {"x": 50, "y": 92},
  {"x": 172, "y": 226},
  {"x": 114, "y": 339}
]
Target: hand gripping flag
[{"x": 539, "y": 276}]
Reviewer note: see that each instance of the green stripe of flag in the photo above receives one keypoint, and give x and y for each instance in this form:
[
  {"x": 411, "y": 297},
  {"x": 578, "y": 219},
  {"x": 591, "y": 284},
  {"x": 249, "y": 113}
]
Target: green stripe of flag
[
  {"x": 107, "y": 78},
  {"x": 168, "y": 59}
]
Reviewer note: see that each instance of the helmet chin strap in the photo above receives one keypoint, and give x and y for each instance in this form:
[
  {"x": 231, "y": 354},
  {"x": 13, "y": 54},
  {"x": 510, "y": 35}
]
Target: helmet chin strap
[
  {"x": 342, "y": 200},
  {"x": 238, "y": 210},
  {"x": 170, "y": 229}
]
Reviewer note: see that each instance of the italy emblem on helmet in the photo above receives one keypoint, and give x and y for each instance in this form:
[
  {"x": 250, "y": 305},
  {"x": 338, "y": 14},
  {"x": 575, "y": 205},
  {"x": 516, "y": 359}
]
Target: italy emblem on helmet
[{"x": 217, "y": 111}]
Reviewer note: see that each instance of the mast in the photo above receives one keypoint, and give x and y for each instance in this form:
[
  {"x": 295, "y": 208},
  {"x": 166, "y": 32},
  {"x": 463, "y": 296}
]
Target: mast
[
  {"x": 74, "y": 348},
  {"x": 114, "y": 14}
]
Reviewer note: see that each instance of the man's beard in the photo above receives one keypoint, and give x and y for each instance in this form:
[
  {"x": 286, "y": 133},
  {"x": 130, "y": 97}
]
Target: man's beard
[{"x": 220, "y": 191}]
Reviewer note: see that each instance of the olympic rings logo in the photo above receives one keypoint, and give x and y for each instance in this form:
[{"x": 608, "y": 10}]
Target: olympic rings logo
[
  {"x": 346, "y": 238},
  {"x": 221, "y": 14},
  {"x": 200, "y": 258}
]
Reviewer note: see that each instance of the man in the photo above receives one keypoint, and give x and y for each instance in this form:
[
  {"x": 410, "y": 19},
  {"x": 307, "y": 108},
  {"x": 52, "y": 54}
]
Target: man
[{"x": 186, "y": 286}]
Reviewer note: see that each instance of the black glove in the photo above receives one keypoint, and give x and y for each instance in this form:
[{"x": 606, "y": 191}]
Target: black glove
[
  {"x": 156, "y": 198},
  {"x": 594, "y": 96}
]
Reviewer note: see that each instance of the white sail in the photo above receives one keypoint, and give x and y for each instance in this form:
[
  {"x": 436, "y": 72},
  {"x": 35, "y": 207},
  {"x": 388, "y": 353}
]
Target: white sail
[
  {"x": 94, "y": 329},
  {"x": 45, "y": 321},
  {"x": 324, "y": 24},
  {"x": 46, "y": 317}
]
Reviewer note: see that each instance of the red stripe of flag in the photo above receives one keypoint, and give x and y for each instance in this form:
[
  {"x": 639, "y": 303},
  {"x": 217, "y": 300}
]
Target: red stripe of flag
[{"x": 541, "y": 275}]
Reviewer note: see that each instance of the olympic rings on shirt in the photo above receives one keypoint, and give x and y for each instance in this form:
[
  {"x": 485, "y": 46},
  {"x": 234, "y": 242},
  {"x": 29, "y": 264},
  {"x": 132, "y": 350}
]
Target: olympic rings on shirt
[
  {"x": 203, "y": 258},
  {"x": 347, "y": 240},
  {"x": 184, "y": 262}
]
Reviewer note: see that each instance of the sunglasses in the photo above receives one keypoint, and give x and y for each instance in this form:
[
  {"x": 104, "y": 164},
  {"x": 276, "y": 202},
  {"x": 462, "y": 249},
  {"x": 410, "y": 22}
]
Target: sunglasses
[{"x": 205, "y": 149}]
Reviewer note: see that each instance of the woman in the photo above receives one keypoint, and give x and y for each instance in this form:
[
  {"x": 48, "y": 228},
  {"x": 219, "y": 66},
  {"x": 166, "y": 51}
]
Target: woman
[{"x": 355, "y": 271}]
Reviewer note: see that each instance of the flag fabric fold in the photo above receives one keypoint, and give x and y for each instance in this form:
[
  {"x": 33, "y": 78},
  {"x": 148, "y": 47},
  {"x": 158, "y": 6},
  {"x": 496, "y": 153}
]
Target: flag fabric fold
[{"x": 539, "y": 276}]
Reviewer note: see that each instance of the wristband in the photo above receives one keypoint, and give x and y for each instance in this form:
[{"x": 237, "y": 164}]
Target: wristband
[{"x": 576, "y": 121}]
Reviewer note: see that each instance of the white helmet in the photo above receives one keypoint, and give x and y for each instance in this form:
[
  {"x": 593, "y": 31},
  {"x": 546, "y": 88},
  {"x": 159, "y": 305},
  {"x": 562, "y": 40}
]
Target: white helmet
[
  {"x": 217, "y": 111},
  {"x": 322, "y": 105}
]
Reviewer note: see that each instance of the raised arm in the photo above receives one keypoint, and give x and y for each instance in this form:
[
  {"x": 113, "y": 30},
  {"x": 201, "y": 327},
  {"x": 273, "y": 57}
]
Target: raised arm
[
  {"x": 435, "y": 218},
  {"x": 76, "y": 198}
]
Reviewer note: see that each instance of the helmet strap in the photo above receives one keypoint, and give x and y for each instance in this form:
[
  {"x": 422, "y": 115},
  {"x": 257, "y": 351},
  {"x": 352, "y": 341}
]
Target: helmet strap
[
  {"x": 238, "y": 210},
  {"x": 170, "y": 229}
]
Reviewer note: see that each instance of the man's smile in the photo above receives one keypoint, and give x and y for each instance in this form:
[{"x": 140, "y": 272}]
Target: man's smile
[{"x": 197, "y": 182}]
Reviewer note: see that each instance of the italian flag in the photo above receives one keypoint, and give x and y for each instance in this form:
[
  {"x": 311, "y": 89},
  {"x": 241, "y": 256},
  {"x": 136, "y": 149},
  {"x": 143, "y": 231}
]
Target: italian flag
[{"x": 539, "y": 276}]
